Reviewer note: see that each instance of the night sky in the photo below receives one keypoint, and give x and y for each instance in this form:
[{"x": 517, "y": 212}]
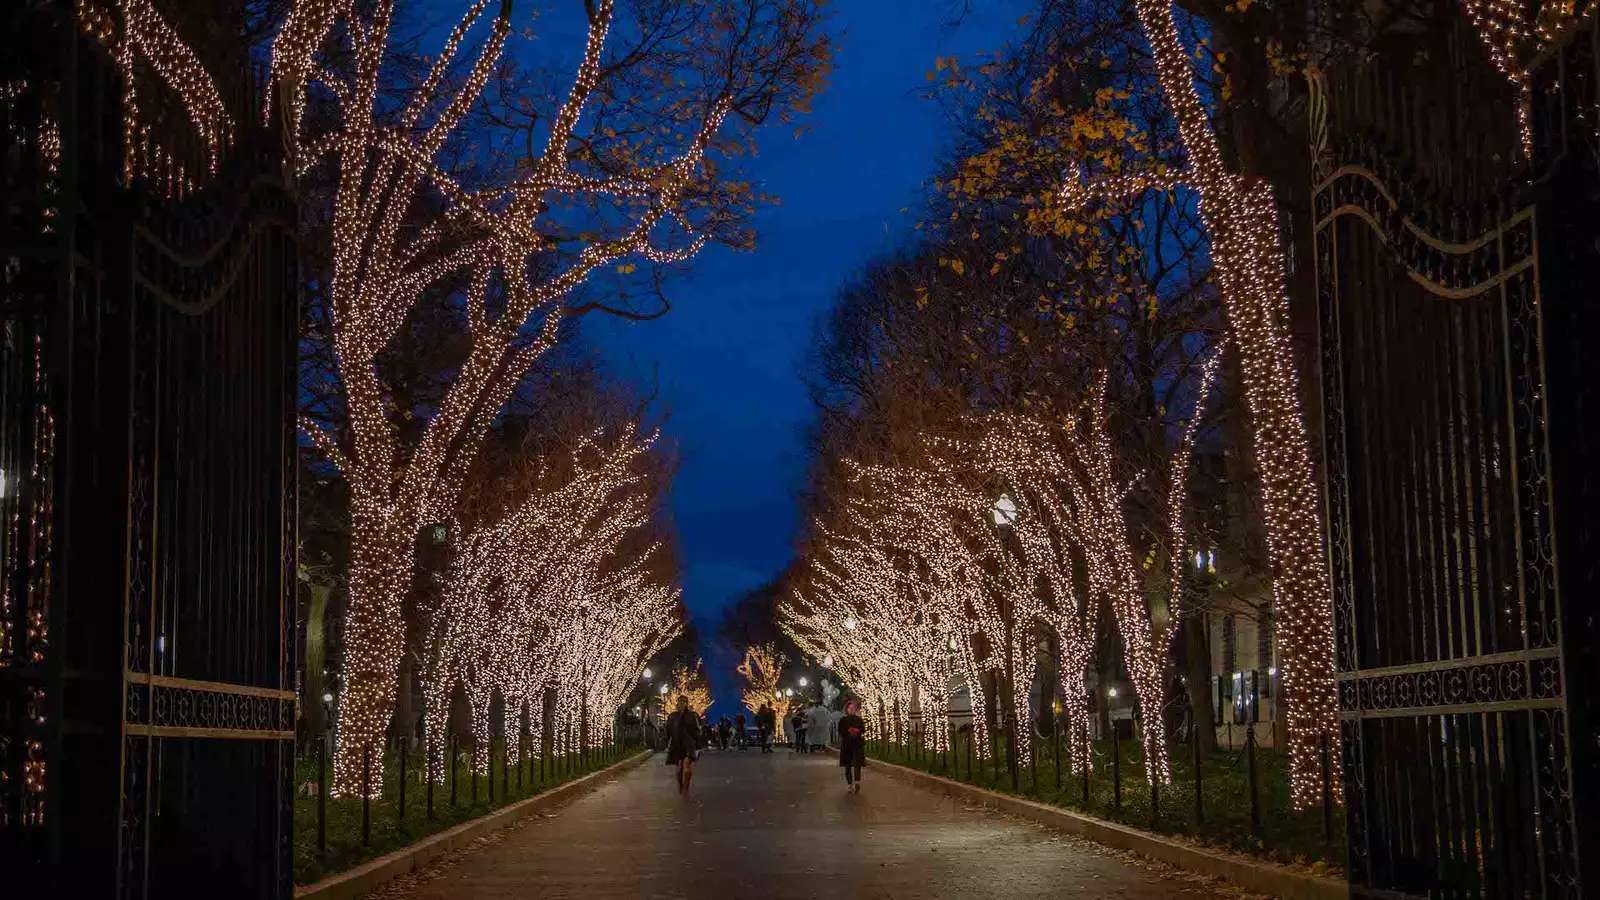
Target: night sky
[{"x": 729, "y": 359}]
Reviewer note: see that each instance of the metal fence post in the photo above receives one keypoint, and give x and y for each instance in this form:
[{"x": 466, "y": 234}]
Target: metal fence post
[
  {"x": 1055, "y": 746},
  {"x": 1250, "y": 761},
  {"x": 1116, "y": 766},
  {"x": 1155, "y": 794},
  {"x": 994, "y": 753},
  {"x": 1033, "y": 761},
  {"x": 969, "y": 754},
  {"x": 322, "y": 794},
  {"x": 1088, "y": 752},
  {"x": 1199, "y": 774},
  {"x": 402, "y": 816},
  {"x": 1327, "y": 793},
  {"x": 366, "y": 795},
  {"x": 1013, "y": 739}
]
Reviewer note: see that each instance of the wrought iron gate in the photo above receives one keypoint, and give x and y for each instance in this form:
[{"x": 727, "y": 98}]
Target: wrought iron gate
[
  {"x": 1454, "y": 486},
  {"x": 147, "y": 393}
]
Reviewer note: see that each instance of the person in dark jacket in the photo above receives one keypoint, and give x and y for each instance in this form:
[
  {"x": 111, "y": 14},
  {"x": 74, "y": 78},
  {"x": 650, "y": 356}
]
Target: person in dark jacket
[
  {"x": 798, "y": 723},
  {"x": 852, "y": 744},
  {"x": 766, "y": 723},
  {"x": 684, "y": 739},
  {"x": 739, "y": 734}
]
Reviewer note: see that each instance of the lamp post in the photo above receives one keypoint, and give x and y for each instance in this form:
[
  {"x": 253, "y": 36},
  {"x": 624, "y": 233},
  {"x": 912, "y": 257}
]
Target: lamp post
[{"x": 1005, "y": 515}]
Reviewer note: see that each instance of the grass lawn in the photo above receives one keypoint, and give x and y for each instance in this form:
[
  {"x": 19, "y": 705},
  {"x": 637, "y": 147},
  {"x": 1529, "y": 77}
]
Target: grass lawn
[
  {"x": 1286, "y": 835},
  {"x": 390, "y": 830}
]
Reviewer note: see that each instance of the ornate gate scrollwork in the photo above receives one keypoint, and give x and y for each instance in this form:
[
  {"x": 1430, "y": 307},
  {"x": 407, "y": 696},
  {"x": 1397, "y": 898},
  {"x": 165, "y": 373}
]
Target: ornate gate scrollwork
[{"x": 1450, "y": 653}]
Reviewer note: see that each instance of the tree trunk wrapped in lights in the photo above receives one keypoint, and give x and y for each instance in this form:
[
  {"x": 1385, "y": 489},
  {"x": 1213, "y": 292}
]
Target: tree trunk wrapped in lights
[
  {"x": 1240, "y": 217},
  {"x": 408, "y": 221},
  {"x": 538, "y": 598},
  {"x": 690, "y": 682},
  {"x": 761, "y": 668}
]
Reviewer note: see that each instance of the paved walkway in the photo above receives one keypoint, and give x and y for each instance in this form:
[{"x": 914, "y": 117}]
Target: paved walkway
[{"x": 782, "y": 826}]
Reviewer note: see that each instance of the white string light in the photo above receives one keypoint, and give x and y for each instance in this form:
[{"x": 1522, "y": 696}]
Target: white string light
[
  {"x": 139, "y": 34},
  {"x": 1240, "y": 215},
  {"x": 386, "y": 161}
]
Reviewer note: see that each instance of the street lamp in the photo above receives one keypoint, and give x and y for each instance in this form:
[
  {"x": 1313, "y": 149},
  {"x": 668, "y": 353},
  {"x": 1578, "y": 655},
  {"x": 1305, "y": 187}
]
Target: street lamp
[
  {"x": 1111, "y": 692},
  {"x": 327, "y": 698},
  {"x": 663, "y": 690},
  {"x": 802, "y": 681},
  {"x": 1005, "y": 510},
  {"x": 648, "y": 674},
  {"x": 1005, "y": 514},
  {"x": 788, "y": 692}
]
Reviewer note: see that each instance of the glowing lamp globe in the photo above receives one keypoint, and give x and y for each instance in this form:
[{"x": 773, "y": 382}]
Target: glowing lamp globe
[{"x": 1005, "y": 510}]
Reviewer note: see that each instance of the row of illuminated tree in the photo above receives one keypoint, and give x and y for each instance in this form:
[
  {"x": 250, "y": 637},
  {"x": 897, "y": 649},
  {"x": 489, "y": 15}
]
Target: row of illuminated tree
[
  {"x": 465, "y": 204},
  {"x": 1084, "y": 374},
  {"x": 464, "y": 200}
]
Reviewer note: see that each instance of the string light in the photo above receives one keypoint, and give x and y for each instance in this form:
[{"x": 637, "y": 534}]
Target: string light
[
  {"x": 29, "y": 564},
  {"x": 143, "y": 36},
  {"x": 386, "y": 161},
  {"x": 1240, "y": 216},
  {"x": 541, "y": 601},
  {"x": 761, "y": 668},
  {"x": 1515, "y": 41},
  {"x": 690, "y": 682}
]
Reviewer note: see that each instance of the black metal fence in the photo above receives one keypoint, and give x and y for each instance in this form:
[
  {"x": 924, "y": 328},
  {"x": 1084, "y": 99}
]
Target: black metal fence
[
  {"x": 1234, "y": 796},
  {"x": 332, "y": 834}
]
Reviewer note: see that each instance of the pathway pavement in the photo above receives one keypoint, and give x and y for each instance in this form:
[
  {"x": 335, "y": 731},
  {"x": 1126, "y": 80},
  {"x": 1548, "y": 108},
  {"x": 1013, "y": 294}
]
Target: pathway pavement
[{"x": 782, "y": 826}]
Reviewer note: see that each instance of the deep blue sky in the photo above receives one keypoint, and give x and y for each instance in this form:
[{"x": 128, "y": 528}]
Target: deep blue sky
[{"x": 729, "y": 358}]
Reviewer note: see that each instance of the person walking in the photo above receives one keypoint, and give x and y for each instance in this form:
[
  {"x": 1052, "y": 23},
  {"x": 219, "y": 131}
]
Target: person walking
[
  {"x": 852, "y": 744},
  {"x": 684, "y": 739},
  {"x": 723, "y": 728},
  {"x": 797, "y": 727},
  {"x": 740, "y": 737},
  {"x": 817, "y": 721},
  {"x": 766, "y": 723}
]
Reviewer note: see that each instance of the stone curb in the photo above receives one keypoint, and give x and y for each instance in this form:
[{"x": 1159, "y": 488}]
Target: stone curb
[
  {"x": 1250, "y": 874},
  {"x": 372, "y": 874}
]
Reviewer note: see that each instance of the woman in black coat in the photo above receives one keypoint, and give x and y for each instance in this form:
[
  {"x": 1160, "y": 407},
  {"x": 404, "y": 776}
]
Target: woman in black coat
[
  {"x": 852, "y": 744},
  {"x": 684, "y": 739}
]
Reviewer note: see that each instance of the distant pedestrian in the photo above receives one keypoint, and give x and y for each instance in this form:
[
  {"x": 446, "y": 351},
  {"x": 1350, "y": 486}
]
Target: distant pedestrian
[
  {"x": 723, "y": 729},
  {"x": 797, "y": 727},
  {"x": 818, "y": 720},
  {"x": 740, "y": 736},
  {"x": 766, "y": 724},
  {"x": 684, "y": 739},
  {"x": 852, "y": 744}
]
